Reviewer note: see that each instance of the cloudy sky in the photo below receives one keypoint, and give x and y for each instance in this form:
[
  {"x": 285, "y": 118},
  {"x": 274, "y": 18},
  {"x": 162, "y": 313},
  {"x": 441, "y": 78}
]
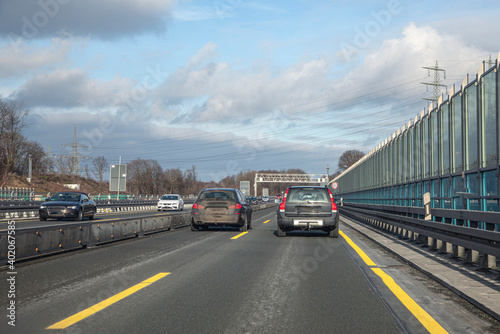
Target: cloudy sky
[{"x": 233, "y": 85}]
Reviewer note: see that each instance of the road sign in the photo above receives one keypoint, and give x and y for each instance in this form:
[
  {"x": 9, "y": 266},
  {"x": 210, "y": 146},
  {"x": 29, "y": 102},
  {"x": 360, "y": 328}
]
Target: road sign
[
  {"x": 118, "y": 178},
  {"x": 335, "y": 185},
  {"x": 245, "y": 187}
]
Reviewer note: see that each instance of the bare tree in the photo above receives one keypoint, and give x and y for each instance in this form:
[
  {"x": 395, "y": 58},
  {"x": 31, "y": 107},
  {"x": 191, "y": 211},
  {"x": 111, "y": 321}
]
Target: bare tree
[
  {"x": 12, "y": 123},
  {"x": 174, "y": 180},
  {"x": 190, "y": 181},
  {"x": 64, "y": 164},
  {"x": 145, "y": 175},
  {"x": 228, "y": 182},
  {"x": 87, "y": 172},
  {"x": 24, "y": 150},
  {"x": 349, "y": 158},
  {"x": 100, "y": 165}
]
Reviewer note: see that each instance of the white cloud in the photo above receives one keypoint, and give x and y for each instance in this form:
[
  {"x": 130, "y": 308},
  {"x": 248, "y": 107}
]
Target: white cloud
[
  {"x": 417, "y": 47},
  {"x": 72, "y": 88},
  {"x": 240, "y": 94},
  {"x": 385, "y": 90},
  {"x": 393, "y": 73},
  {"x": 198, "y": 13},
  {"x": 386, "y": 83},
  {"x": 19, "y": 58}
]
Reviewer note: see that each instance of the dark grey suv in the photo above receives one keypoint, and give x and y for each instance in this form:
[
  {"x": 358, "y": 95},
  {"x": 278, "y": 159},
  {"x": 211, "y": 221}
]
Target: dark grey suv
[
  {"x": 68, "y": 204},
  {"x": 308, "y": 208},
  {"x": 221, "y": 207}
]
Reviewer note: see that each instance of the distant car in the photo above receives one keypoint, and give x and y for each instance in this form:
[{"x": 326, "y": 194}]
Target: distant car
[
  {"x": 252, "y": 200},
  {"x": 74, "y": 205},
  {"x": 221, "y": 207},
  {"x": 308, "y": 208},
  {"x": 171, "y": 202},
  {"x": 277, "y": 199},
  {"x": 265, "y": 199}
]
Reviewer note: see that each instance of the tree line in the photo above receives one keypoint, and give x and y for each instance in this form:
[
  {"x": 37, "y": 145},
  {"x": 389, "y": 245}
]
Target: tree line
[{"x": 148, "y": 177}]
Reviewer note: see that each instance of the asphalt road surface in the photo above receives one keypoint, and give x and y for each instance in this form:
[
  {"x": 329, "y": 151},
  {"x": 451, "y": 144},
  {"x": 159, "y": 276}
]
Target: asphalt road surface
[{"x": 224, "y": 281}]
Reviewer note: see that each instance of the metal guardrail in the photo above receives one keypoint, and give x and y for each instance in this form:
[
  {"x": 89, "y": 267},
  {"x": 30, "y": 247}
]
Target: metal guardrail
[
  {"x": 16, "y": 210},
  {"x": 468, "y": 243},
  {"x": 440, "y": 215},
  {"x": 29, "y": 194},
  {"x": 40, "y": 241}
]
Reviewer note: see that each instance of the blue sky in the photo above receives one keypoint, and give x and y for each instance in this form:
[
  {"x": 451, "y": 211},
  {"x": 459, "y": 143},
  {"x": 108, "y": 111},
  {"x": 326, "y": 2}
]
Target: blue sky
[{"x": 232, "y": 85}]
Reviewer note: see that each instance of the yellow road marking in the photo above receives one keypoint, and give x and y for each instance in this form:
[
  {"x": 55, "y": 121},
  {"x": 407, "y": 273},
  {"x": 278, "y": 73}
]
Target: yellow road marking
[
  {"x": 425, "y": 319},
  {"x": 358, "y": 250},
  {"x": 267, "y": 221},
  {"x": 105, "y": 303},
  {"x": 239, "y": 235}
]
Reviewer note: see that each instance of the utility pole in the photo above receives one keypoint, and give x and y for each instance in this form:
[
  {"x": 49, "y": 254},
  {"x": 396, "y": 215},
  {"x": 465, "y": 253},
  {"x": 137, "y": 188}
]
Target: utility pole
[
  {"x": 436, "y": 83},
  {"x": 75, "y": 157},
  {"x": 29, "y": 168},
  {"x": 490, "y": 63}
]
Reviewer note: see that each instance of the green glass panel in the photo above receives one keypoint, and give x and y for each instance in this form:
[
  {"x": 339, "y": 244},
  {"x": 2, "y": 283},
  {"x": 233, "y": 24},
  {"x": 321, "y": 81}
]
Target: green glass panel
[{"x": 489, "y": 121}]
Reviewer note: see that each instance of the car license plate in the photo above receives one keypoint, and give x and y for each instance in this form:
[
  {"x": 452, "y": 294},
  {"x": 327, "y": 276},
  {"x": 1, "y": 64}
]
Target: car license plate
[
  {"x": 216, "y": 210},
  {"x": 305, "y": 222}
]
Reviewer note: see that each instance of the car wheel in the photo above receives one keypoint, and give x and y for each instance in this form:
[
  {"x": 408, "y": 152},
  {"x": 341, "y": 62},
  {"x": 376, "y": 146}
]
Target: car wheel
[
  {"x": 194, "y": 228},
  {"x": 43, "y": 219},
  {"x": 244, "y": 228},
  {"x": 92, "y": 216},
  {"x": 250, "y": 222},
  {"x": 334, "y": 233},
  {"x": 280, "y": 232},
  {"x": 80, "y": 216}
]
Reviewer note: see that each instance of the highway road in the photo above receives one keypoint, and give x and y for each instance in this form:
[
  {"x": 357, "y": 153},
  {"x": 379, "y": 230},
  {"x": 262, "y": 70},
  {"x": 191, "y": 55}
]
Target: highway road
[{"x": 224, "y": 281}]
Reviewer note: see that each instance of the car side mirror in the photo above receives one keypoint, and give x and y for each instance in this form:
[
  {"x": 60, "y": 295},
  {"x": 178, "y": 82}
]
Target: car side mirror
[{"x": 85, "y": 199}]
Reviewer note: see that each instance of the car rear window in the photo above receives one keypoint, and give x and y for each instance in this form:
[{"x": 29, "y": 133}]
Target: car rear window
[
  {"x": 305, "y": 195},
  {"x": 170, "y": 198},
  {"x": 67, "y": 197},
  {"x": 219, "y": 194}
]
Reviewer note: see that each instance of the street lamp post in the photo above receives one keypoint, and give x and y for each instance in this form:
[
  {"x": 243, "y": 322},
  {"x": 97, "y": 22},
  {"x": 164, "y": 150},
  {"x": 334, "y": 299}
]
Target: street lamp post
[{"x": 29, "y": 168}]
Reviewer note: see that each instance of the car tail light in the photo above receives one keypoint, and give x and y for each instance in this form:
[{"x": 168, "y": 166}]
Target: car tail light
[
  {"x": 283, "y": 202},
  {"x": 334, "y": 205},
  {"x": 236, "y": 206},
  {"x": 197, "y": 206}
]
